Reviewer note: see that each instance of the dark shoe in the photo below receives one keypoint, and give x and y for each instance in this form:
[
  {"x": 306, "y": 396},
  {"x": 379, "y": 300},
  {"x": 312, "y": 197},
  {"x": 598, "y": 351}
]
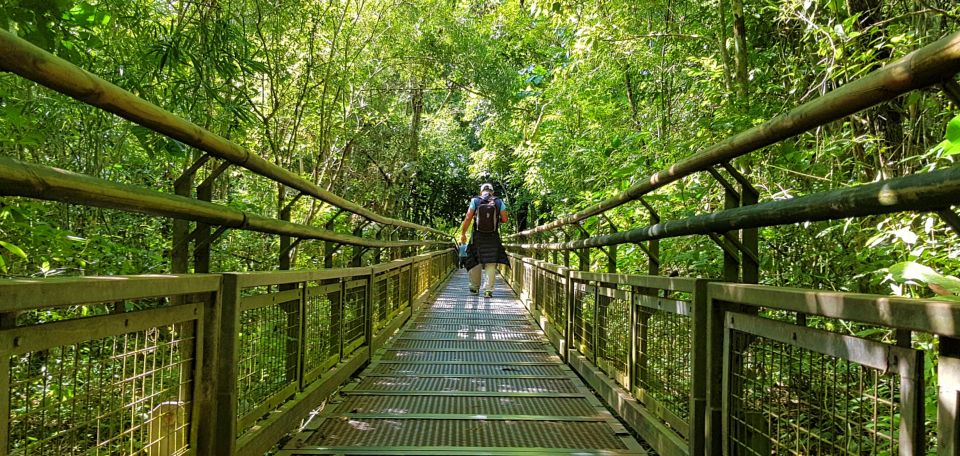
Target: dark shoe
[
  {"x": 488, "y": 294},
  {"x": 474, "y": 290}
]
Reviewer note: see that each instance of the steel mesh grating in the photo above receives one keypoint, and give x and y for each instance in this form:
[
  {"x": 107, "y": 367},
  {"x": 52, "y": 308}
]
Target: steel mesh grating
[
  {"x": 468, "y": 357},
  {"x": 454, "y": 326},
  {"x": 469, "y": 405},
  {"x": 465, "y": 345},
  {"x": 477, "y": 317},
  {"x": 461, "y": 384},
  {"x": 465, "y": 433},
  {"x": 472, "y": 334},
  {"x": 472, "y": 321},
  {"x": 479, "y": 370}
]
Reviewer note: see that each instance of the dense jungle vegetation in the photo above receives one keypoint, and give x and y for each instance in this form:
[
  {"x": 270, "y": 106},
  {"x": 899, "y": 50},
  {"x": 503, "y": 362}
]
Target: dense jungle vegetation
[{"x": 405, "y": 106}]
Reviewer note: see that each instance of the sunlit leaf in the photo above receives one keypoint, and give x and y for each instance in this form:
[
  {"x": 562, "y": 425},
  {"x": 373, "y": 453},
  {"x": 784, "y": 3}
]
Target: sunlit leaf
[
  {"x": 13, "y": 249},
  {"x": 912, "y": 271}
]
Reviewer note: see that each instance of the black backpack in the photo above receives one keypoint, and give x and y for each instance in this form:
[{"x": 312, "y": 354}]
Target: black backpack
[{"x": 487, "y": 214}]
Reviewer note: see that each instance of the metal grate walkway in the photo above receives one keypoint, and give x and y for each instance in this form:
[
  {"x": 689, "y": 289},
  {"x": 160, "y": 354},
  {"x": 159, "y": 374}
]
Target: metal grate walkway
[{"x": 466, "y": 375}]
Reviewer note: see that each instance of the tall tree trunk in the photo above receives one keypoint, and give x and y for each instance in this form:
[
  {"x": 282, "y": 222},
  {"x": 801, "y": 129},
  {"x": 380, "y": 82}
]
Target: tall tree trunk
[
  {"x": 740, "y": 55},
  {"x": 724, "y": 54},
  {"x": 417, "y": 103}
]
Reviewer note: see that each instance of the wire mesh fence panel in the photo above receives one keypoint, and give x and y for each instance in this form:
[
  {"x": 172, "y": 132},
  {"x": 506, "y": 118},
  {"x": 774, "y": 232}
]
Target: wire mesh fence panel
[
  {"x": 813, "y": 392},
  {"x": 123, "y": 393},
  {"x": 380, "y": 302},
  {"x": 393, "y": 293},
  {"x": 528, "y": 281},
  {"x": 421, "y": 276},
  {"x": 559, "y": 304},
  {"x": 354, "y": 314},
  {"x": 613, "y": 333},
  {"x": 583, "y": 318},
  {"x": 549, "y": 296},
  {"x": 268, "y": 342},
  {"x": 321, "y": 344},
  {"x": 663, "y": 370},
  {"x": 404, "y": 287},
  {"x": 516, "y": 270}
]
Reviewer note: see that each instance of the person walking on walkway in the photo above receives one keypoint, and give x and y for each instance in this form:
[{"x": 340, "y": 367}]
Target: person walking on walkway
[{"x": 485, "y": 250}]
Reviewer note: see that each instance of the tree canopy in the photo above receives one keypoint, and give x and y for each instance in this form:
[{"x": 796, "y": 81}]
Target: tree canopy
[{"x": 405, "y": 106}]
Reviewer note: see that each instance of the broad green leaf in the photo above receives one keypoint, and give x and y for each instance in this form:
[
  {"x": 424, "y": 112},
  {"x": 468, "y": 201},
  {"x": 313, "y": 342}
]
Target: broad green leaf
[
  {"x": 13, "y": 249},
  {"x": 912, "y": 271},
  {"x": 951, "y": 145}
]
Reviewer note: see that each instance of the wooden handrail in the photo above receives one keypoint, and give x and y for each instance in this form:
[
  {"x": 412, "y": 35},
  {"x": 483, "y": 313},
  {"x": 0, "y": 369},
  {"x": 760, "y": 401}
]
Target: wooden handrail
[
  {"x": 29, "y": 61},
  {"x": 36, "y": 181},
  {"x": 931, "y": 191}
]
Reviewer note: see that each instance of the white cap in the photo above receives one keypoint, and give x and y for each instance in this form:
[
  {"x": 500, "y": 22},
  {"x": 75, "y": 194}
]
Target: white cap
[{"x": 487, "y": 186}]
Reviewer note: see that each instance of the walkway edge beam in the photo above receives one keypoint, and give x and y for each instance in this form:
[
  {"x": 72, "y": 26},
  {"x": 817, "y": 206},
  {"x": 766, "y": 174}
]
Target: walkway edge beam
[
  {"x": 36, "y": 181},
  {"x": 23, "y": 58},
  {"x": 929, "y": 65},
  {"x": 921, "y": 192}
]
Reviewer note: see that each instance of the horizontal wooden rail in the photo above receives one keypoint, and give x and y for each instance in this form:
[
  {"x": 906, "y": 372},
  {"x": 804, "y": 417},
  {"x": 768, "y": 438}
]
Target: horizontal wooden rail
[
  {"x": 931, "y": 191},
  {"x": 929, "y": 65},
  {"x": 36, "y": 181},
  {"x": 31, "y": 62}
]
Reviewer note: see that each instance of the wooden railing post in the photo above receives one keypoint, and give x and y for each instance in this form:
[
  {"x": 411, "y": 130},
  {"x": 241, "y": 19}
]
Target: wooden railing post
[
  {"x": 700, "y": 381},
  {"x": 948, "y": 400},
  {"x": 8, "y": 320},
  {"x": 368, "y": 314},
  {"x": 713, "y": 428},
  {"x": 218, "y": 423}
]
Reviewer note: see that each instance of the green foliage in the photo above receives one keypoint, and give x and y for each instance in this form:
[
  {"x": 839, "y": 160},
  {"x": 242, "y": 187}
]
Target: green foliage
[{"x": 406, "y": 106}]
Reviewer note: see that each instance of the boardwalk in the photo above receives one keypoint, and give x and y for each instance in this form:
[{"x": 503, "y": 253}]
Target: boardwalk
[{"x": 466, "y": 375}]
